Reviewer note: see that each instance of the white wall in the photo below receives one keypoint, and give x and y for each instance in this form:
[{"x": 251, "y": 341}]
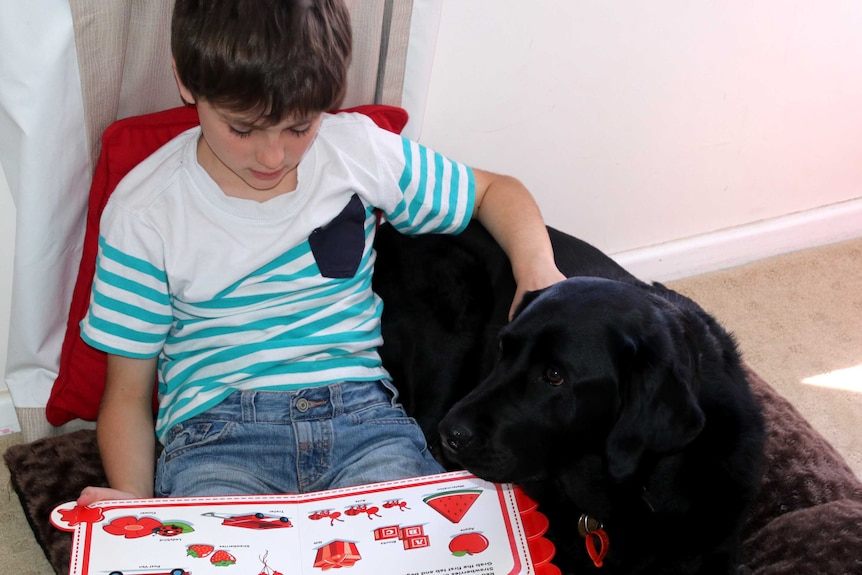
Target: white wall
[
  {"x": 647, "y": 123},
  {"x": 8, "y": 422}
]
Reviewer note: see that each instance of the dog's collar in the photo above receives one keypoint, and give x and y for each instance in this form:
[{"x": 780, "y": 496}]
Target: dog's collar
[
  {"x": 595, "y": 536},
  {"x": 597, "y": 541}
]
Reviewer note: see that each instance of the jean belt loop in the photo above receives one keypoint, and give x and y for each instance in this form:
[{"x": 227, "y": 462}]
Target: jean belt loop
[{"x": 247, "y": 398}]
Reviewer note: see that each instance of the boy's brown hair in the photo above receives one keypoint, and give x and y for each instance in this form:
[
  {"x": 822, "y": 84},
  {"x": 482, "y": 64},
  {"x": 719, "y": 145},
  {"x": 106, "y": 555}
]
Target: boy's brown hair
[{"x": 269, "y": 58}]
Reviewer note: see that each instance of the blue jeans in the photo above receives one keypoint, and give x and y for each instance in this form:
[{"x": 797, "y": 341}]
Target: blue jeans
[{"x": 264, "y": 442}]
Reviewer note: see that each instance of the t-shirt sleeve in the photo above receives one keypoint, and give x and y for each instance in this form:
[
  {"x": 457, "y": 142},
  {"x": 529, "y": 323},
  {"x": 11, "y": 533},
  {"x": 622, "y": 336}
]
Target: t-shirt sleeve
[
  {"x": 423, "y": 191},
  {"x": 130, "y": 309}
]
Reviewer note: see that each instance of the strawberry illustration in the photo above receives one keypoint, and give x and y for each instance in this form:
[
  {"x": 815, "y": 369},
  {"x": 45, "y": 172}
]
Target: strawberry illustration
[
  {"x": 222, "y": 558},
  {"x": 199, "y": 550}
]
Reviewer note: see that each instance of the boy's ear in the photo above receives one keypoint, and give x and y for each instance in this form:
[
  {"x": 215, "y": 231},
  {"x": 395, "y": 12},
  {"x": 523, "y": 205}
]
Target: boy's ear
[{"x": 185, "y": 94}]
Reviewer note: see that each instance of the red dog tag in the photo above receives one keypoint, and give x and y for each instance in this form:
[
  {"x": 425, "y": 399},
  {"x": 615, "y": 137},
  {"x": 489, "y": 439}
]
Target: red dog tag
[{"x": 597, "y": 555}]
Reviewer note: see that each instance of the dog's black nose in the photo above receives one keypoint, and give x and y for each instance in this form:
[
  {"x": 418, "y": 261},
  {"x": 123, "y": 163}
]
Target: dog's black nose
[{"x": 456, "y": 438}]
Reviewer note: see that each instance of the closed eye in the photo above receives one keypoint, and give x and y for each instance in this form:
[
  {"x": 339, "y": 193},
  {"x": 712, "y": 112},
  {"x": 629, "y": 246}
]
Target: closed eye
[
  {"x": 300, "y": 131},
  {"x": 239, "y": 133}
]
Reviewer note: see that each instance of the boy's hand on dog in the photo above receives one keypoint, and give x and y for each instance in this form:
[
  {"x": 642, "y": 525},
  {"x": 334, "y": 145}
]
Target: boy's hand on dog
[{"x": 544, "y": 278}]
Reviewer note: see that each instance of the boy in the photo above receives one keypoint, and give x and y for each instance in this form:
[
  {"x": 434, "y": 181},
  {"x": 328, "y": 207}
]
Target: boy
[{"x": 235, "y": 263}]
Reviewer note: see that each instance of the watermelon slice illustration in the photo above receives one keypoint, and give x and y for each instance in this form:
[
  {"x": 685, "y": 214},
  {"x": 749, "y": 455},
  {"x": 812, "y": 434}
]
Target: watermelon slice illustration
[{"x": 453, "y": 505}]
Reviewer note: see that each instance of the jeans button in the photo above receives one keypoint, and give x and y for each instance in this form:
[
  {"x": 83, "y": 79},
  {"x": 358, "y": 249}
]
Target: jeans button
[{"x": 302, "y": 405}]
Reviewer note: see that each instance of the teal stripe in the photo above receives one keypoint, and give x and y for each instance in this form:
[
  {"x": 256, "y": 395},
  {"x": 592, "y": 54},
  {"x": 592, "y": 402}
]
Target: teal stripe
[
  {"x": 422, "y": 188},
  {"x": 406, "y": 176},
  {"x": 454, "y": 196},
  {"x": 356, "y": 284},
  {"x": 223, "y": 301},
  {"x": 130, "y": 310},
  {"x": 398, "y": 214},
  {"x": 437, "y": 197},
  {"x": 459, "y": 192},
  {"x": 113, "y": 350},
  {"x": 335, "y": 286},
  {"x": 282, "y": 260},
  {"x": 131, "y": 262},
  {"x": 309, "y": 271},
  {"x": 131, "y": 286},
  {"x": 184, "y": 325},
  {"x": 297, "y": 333},
  {"x": 338, "y": 284},
  {"x": 471, "y": 200},
  {"x": 123, "y": 332},
  {"x": 281, "y": 368},
  {"x": 286, "y": 340},
  {"x": 407, "y": 173}
]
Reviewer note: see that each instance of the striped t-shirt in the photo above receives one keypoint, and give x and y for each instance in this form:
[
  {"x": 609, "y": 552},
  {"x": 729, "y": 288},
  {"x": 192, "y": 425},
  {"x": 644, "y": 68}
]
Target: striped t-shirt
[{"x": 234, "y": 294}]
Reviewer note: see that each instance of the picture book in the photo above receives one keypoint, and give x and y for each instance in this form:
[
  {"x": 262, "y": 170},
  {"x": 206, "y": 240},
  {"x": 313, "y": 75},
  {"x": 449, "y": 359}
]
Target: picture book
[{"x": 446, "y": 524}]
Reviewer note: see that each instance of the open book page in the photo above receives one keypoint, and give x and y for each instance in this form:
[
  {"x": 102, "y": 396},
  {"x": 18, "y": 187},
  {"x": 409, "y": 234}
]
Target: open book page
[{"x": 451, "y": 523}]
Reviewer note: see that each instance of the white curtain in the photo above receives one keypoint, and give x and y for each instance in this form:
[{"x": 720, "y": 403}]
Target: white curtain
[
  {"x": 43, "y": 149},
  {"x": 68, "y": 68}
]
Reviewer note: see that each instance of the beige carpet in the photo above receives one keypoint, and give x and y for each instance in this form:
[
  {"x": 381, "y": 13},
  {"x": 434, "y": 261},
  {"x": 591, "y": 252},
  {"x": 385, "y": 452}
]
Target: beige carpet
[
  {"x": 798, "y": 321},
  {"x": 797, "y": 318}
]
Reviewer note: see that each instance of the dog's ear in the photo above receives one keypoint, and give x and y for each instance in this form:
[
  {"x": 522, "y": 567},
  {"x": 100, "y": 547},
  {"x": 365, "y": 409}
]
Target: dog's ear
[
  {"x": 659, "y": 411},
  {"x": 526, "y": 300}
]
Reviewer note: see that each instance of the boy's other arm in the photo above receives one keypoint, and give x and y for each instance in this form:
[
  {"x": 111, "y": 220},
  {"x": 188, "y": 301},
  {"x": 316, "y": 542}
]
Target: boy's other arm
[
  {"x": 508, "y": 211},
  {"x": 125, "y": 431}
]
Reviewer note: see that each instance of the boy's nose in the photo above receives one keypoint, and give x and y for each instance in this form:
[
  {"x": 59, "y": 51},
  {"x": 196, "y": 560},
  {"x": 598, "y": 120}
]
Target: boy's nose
[{"x": 270, "y": 153}]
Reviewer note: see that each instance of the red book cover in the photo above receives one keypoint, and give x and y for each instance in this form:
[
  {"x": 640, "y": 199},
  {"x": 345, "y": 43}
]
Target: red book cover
[{"x": 446, "y": 524}]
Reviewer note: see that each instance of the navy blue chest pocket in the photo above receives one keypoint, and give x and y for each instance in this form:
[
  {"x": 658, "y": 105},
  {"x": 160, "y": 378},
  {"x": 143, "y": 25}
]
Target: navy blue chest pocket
[{"x": 338, "y": 246}]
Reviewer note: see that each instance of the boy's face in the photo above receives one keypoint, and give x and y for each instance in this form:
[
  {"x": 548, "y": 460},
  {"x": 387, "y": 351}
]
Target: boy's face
[{"x": 252, "y": 160}]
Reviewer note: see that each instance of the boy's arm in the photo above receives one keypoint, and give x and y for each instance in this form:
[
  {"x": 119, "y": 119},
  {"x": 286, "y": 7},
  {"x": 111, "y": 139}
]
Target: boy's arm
[
  {"x": 125, "y": 430},
  {"x": 508, "y": 211}
]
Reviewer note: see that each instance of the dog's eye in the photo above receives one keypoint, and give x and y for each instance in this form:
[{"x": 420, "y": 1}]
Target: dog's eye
[{"x": 554, "y": 377}]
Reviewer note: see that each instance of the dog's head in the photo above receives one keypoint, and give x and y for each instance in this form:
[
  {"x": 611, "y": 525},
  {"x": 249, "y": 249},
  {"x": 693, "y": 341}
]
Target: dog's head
[{"x": 588, "y": 367}]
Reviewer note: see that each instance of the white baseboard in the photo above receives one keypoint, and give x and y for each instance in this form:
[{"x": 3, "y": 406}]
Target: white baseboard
[
  {"x": 8, "y": 419},
  {"x": 745, "y": 244}
]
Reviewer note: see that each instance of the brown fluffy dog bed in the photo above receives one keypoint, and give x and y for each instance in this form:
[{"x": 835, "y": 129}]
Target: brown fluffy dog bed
[{"x": 807, "y": 520}]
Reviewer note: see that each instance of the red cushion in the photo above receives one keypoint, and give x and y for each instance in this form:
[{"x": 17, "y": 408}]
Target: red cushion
[{"x": 78, "y": 388}]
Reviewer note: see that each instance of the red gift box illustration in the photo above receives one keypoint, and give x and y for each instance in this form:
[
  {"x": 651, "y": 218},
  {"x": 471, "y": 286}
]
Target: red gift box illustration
[
  {"x": 337, "y": 554},
  {"x": 411, "y": 531},
  {"x": 416, "y": 542},
  {"x": 388, "y": 532}
]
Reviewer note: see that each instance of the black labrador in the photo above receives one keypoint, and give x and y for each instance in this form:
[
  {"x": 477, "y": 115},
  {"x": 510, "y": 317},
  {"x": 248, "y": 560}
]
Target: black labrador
[{"x": 622, "y": 407}]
